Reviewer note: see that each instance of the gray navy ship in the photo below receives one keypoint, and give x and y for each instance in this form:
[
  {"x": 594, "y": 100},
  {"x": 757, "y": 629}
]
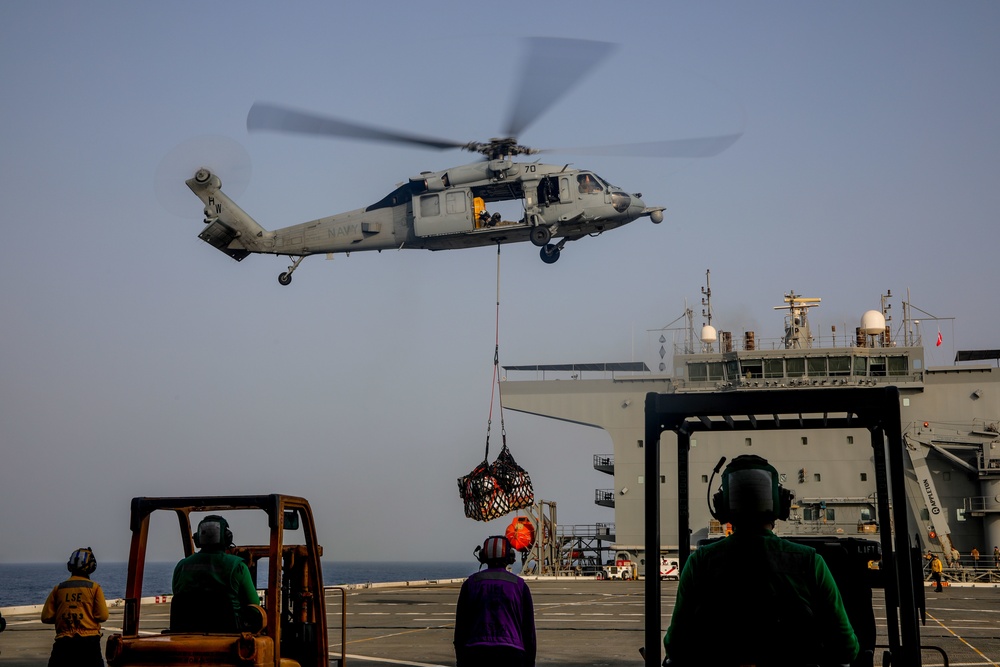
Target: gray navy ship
[{"x": 950, "y": 419}]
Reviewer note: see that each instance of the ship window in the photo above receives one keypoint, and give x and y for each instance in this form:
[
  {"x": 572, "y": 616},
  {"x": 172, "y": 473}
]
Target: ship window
[
  {"x": 795, "y": 368},
  {"x": 663, "y": 479},
  {"x": 897, "y": 366},
  {"x": 840, "y": 365},
  {"x": 861, "y": 366},
  {"x": 817, "y": 478},
  {"x": 430, "y": 205},
  {"x": 831, "y": 514},
  {"x": 748, "y": 442},
  {"x": 864, "y": 477},
  {"x": 816, "y": 366},
  {"x": 773, "y": 368},
  {"x": 697, "y": 372},
  {"x": 877, "y": 366},
  {"x": 850, "y": 439},
  {"x": 638, "y": 444},
  {"x": 753, "y": 369},
  {"x": 805, "y": 440},
  {"x": 704, "y": 479},
  {"x": 715, "y": 371},
  {"x": 866, "y": 513},
  {"x": 732, "y": 369},
  {"x": 454, "y": 202}
]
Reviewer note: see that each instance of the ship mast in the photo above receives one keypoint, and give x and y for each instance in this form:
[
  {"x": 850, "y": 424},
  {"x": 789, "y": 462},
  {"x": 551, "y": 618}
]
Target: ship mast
[
  {"x": 797, "y": 333},
  {"x": 708, "y": 333}
]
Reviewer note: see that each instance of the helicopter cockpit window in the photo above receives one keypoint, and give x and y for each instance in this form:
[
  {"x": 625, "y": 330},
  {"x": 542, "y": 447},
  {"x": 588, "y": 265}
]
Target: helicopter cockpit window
[
  {"x": 588, "y": 184},
  {"x": 430, "y": 205}
]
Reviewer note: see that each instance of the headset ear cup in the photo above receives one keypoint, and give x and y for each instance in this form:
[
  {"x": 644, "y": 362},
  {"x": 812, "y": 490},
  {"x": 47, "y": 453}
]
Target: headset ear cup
[
  {"x": 721, "y": 512},
  {"x": 785, "y": 503}
]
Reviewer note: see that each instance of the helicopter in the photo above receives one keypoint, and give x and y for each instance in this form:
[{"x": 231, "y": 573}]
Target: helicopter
[{"x": 450, "y": 208}]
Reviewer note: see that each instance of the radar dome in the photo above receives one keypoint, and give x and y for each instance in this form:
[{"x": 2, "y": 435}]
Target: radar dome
[
  {"x": 873, "y": 322},
  {"x": 708, "y": 334}
]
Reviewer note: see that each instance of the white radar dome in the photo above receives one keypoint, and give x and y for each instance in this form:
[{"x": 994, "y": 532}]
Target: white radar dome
[
  {"x": 873, "y": 322},
  {"x": 709, "y": 334}
]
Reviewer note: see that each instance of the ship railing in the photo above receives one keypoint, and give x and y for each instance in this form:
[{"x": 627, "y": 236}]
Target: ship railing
[
  {"x": 586, "y": 530},
  {"x": 842, "y": 528},
  {"x": 967, "y": 573},
  {"x": 981, "y": 505},
  {"x": 604, "y": 497},
  {"x": 604, "y": 463}
]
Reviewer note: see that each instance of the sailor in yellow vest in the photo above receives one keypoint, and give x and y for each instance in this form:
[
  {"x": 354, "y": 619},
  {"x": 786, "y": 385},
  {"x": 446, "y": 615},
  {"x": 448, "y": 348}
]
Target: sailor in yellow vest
[
  {"x": 936, "y": 569},
  {"x": 77, "y": 608}
]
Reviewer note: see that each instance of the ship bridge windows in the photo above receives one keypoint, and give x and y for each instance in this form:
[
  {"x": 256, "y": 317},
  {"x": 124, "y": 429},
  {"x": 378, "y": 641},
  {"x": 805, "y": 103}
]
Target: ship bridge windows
[
  {"x": 898, "y": 366},
  {"x": 795, "y": 367},
  {"x": 774, "y": 368},
  {"x": 816, "y": 366},
  {"x": 753, "y": 369},
  {"x": 705, "y": 372},
  {"x": 840, "y": 366},
  {"x": 876, "y": 367},
  {"x": 861, "y": 366}
]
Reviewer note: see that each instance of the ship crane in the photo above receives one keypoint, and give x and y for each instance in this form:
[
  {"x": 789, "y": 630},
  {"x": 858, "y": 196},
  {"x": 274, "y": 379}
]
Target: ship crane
[{"x": 937, "y": 512}]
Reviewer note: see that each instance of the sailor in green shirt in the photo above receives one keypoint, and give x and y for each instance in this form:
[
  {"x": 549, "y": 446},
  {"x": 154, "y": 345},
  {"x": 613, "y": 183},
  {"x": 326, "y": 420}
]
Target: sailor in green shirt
[
  {"x": 753, "y": 598},
  {"x": 211, "y": 586}
]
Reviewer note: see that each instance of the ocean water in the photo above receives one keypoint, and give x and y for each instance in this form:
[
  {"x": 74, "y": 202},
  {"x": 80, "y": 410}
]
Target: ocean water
[{"x": 30, "y": 583}]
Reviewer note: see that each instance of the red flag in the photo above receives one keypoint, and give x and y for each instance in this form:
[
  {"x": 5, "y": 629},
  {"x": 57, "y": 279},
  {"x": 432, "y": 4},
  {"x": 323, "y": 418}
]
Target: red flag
[{"x": 939, "y": 340}]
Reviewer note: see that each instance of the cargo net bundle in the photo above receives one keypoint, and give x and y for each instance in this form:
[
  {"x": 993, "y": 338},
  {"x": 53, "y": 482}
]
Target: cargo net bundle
[{"x": 494, "y": 489}]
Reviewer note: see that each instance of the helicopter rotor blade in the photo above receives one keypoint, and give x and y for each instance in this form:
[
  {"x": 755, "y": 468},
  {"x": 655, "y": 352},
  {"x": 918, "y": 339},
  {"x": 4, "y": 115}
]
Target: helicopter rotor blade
[
  {"x": 696, "y": 147},
  {"x": 551, "y": 67},
  {"x": 281, "y": 119}
]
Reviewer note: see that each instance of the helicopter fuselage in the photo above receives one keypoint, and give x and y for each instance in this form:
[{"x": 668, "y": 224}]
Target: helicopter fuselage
[{"x": 440, "y": 210}]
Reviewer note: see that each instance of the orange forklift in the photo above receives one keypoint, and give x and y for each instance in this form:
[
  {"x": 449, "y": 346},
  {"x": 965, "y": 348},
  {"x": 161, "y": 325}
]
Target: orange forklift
[{"x": 288, "y": 629}]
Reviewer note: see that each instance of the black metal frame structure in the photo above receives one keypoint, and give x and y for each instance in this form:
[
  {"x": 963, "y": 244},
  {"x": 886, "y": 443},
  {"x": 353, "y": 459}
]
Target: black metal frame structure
[{"x": 873, "y": 408}]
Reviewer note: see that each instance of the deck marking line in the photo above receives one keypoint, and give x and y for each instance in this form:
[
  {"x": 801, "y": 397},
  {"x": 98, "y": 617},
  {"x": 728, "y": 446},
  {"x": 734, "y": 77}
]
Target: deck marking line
[
  {"x": 961, "y": 639},
  {"x": 388, "y": 660}
]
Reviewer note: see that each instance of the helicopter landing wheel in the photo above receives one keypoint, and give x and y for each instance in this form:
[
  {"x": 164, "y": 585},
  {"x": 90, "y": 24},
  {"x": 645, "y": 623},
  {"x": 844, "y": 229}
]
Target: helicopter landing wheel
[
  {"x": 541, "y": 235},
  {"x": 285, "y": 278},
  {"x": 549, "y": 254}
]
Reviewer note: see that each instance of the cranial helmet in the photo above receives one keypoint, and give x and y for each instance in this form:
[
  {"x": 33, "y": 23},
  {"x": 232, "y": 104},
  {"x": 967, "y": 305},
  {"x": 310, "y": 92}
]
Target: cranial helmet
[
  {"x": 495, "y": 549},
  {"x": 82, "y": 560},
  {"x": 213, "y": 533},
  {"x": 750, "y": 489}
]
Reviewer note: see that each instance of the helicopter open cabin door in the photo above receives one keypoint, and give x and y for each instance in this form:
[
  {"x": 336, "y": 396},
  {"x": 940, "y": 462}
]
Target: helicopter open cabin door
[{"x": 446, "y": 212}]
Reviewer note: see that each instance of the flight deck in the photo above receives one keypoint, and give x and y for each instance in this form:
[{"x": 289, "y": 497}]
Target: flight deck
[{"x": 578, "y": 622}]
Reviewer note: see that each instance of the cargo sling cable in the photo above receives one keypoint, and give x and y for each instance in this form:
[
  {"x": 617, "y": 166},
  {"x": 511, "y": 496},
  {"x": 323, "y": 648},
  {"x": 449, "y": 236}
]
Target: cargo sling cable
[{"x": 492, "y": 490}]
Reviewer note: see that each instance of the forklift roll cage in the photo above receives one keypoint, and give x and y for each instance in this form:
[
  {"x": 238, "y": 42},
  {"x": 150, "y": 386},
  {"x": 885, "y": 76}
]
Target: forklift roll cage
[{"x": 873, "y": 408}]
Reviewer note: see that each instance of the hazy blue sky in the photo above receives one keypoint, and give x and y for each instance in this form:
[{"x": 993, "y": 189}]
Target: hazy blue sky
[{"x": 138, "y": 360}]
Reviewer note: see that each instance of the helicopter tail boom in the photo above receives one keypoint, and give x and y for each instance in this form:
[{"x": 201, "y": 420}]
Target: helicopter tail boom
[{"x": 228, "y": 227}]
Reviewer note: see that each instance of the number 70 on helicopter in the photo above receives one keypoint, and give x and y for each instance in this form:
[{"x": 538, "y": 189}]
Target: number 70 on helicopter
[{"x": 455, "y": 208}]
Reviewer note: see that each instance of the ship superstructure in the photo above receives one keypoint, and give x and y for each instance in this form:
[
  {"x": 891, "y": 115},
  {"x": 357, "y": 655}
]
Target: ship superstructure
[{"x": 950, "y": 418}]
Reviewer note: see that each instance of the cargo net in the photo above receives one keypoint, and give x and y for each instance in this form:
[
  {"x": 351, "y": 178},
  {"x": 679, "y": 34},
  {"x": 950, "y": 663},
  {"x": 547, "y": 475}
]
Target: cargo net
[{"x": 494, "y": 489}]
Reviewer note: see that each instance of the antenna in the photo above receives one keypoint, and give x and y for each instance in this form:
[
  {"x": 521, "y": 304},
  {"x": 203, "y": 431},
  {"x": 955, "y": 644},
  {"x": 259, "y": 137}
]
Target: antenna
[{"x": 708, "y": 333}]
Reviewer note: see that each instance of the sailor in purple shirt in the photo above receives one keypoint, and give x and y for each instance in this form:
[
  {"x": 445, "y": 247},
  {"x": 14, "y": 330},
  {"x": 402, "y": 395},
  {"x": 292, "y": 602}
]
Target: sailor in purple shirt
[{"x": 495, "y": 618}]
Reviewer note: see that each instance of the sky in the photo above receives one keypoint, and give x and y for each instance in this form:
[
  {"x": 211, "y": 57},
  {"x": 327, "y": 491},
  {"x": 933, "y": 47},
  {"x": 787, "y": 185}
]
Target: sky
[{"x": 136, "y": 360}]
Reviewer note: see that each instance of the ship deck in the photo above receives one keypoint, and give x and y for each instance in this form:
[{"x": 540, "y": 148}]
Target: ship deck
[{"x": 579, "y": 622}]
